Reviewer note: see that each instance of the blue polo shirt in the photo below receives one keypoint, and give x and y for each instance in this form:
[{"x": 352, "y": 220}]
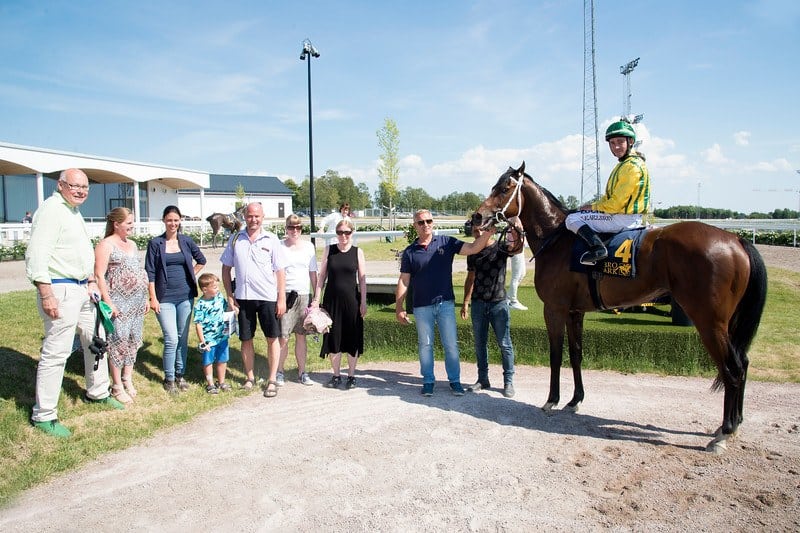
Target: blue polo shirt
[{"x": 431, "y": 269}]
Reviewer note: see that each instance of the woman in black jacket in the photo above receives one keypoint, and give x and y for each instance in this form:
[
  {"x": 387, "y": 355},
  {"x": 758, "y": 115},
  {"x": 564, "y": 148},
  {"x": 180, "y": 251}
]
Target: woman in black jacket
[{"x": 172, "y": 263}]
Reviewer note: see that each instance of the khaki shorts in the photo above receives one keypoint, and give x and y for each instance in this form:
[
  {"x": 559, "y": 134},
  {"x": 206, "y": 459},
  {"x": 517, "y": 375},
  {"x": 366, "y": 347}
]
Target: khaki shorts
[{"x": 292, "y": 321}]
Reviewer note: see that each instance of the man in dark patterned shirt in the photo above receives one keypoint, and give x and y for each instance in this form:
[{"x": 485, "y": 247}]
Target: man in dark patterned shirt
[{"x": 485, "y": 290}]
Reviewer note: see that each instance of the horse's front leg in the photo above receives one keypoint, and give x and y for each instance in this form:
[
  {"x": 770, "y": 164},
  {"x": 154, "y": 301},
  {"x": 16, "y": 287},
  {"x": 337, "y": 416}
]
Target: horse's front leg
[
  {"x": 575, "y": 342},
  {"x": 555, "y": 334}
]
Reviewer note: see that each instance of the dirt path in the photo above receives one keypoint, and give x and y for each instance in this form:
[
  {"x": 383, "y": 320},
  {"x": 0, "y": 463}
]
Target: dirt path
[{"x": 383, "y": 458}]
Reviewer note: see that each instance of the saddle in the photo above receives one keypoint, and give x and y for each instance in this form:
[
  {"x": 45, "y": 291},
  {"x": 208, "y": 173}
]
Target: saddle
[{"x": 621, "y": 261}]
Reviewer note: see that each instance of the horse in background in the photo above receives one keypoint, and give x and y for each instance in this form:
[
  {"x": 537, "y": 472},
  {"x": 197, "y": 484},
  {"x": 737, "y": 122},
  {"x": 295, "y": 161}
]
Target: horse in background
[
  {"x": 719, "y": 280},
  {"x": 219, "y": 221}
]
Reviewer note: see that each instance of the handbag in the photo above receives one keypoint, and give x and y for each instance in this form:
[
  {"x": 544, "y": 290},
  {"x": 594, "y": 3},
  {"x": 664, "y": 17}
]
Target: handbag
[{"x": 291, "y": 299}]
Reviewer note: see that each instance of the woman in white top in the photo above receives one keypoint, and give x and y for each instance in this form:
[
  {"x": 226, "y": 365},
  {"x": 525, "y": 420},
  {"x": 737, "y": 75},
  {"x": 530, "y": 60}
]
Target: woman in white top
[
  {"x": 330, "y": 222},
  {"x": 301, "y": 268}
]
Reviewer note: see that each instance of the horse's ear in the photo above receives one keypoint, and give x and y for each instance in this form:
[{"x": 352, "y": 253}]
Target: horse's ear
[{"x": 521, "y": 170}]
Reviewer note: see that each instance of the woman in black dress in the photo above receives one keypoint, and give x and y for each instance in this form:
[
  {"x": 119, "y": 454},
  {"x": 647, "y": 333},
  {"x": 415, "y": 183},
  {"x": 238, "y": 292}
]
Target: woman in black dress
[{"x": 345, "y": 300}]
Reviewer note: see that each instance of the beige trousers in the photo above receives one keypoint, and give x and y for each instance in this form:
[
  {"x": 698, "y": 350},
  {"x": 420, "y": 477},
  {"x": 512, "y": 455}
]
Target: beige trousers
[{"x": 76, "y": 313}]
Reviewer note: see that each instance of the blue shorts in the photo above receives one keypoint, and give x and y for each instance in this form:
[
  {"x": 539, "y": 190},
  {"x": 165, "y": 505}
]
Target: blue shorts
[{"x": 217, "y": 354}]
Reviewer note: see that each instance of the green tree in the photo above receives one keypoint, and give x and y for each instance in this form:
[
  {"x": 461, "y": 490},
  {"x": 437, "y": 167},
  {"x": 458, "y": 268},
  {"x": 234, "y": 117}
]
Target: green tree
[
  {"x": 570, "y": 203},
  {"x": 364, "y": 197},
  {"x": 413, "y": 198},
  {"x": 297, "y": 202},
  {"x": 240, "y": 194},
  {"x": 388, "y": 168}
]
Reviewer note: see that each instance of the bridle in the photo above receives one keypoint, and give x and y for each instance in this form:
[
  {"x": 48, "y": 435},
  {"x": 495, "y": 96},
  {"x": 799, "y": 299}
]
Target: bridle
[{"x": 500, "y": 216}]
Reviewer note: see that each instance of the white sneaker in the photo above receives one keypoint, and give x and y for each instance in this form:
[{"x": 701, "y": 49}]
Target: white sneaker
[
  {"x": 305, "y": 380},
  {"x": 514, "y": 304},
  {"x": 280, "y": 379}
]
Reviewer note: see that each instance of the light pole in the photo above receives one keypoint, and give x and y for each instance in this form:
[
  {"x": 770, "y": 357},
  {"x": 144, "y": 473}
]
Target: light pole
[{"x": 308, "y": 52}]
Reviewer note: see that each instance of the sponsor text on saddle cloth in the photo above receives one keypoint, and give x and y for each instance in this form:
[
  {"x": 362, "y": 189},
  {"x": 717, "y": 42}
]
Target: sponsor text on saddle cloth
[{"x": 621, "y": 260}]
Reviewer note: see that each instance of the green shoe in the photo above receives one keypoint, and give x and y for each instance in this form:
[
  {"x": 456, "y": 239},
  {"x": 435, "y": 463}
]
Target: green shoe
[
  {"x": 52, "y": 428},
  {"x": 107, "y": 401}
]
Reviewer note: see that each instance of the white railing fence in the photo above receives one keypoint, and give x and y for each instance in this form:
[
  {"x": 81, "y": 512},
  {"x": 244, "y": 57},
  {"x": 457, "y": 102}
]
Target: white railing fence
[{"x": 12, "y": 233}]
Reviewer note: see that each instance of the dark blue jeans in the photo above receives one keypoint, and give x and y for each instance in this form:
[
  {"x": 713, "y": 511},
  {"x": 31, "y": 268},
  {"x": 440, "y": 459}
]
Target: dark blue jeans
[{"x": 496, "y": 314}]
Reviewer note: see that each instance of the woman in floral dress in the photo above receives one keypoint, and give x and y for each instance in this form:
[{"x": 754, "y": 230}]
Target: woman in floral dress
[{"x": 123, "y": 286}]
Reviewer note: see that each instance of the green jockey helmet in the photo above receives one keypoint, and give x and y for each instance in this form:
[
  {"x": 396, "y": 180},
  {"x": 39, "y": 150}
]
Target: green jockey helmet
[{"x": 620, "y": 129}]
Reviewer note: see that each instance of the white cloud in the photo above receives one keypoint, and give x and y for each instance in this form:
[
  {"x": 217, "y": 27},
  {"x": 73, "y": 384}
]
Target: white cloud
[
  {"x": 776, "y": 165},
  {"x": 714, "y": 155},
  {"x": 741, "y": 138}
]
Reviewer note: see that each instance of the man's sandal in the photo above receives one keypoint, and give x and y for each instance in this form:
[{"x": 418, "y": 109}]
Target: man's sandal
[
  {"x": 248, "y": 384},
  {"x": 271, "y": 393}
]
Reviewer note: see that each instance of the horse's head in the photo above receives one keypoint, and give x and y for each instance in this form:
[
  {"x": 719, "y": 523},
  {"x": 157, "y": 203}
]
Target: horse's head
[{"x": 504, "y": 201}]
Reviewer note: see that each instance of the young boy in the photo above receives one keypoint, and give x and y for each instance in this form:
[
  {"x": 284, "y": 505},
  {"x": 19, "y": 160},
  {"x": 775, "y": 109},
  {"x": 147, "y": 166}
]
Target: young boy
[{"x": 210, "y": 325}]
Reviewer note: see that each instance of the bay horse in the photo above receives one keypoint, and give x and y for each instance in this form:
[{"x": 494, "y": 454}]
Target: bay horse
[
  {"x": 718, "y": 279},
  {"x": 232, "y": 222}
]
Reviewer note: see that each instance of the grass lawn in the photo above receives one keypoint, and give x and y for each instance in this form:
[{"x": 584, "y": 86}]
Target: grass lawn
[{"x": 29, "y": 457}]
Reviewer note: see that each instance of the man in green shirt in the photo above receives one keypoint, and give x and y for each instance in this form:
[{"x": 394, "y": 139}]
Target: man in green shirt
[{"x": 60, "y": 262}]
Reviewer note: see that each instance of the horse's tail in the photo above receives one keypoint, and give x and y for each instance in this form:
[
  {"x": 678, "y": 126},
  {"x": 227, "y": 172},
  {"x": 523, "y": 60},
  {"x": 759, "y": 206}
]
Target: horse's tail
[
  {"x": 209, "y": 217},
  {"x": 745, "y": 320}
]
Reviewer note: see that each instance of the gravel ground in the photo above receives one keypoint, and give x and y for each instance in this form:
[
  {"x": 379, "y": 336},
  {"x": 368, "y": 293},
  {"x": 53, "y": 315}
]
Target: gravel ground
[{"x": 383, "y": 458}]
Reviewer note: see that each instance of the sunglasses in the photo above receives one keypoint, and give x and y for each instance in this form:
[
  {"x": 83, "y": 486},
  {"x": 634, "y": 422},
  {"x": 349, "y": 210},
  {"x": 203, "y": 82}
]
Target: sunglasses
[
  {"x": 343, "y": 232},
  {"x": 294, "y": 227},
  {"x": 423, "y": 222}
]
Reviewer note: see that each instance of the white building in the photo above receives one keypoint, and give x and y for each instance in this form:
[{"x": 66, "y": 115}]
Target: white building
[{"x": 28, "y": 176}]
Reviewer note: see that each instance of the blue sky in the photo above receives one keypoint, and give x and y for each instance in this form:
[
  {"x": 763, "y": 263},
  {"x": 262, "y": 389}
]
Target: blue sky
[{"x": 474, "y": 87}]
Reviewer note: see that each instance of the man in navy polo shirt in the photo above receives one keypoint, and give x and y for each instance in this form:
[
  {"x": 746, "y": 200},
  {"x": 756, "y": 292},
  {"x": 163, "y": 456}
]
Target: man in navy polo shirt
[{"x": 426, "y": 267}]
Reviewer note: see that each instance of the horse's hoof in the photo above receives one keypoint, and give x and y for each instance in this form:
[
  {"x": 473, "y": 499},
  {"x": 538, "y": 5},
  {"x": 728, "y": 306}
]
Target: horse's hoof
[
  {"x": 548, "y": 408},
  {"x": 571, "y": 408},
  {"x": 717, "y": 446}
]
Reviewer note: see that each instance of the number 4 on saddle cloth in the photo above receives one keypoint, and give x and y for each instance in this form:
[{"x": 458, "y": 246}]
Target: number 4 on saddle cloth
[{"x": 621, "y": 260}]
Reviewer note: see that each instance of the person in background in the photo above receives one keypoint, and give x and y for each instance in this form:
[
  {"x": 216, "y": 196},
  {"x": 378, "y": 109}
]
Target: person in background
[
  {"x": 172, "y": 263},
  {"x": 626, "y": 200},
  {"x": 59, "y": 261},
  {"x": 330, "y": 222},
  {"x": 344, "y": 268},
  {"x": 260, "y": 295},
  {"x": 301, "y": 268},
  {"x": 518, "y": 271},
  {"x": 28, "y": 218},
  {"x": 209, "y": 321},
  {"x": 426, "y": 266},
  {"x": 123, "y": 286},
  {"x": 485, "y": 290}
]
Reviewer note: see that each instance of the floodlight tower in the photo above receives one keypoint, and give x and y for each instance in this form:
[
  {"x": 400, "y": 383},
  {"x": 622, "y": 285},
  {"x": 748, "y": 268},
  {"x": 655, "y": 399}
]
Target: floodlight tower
[
  {"x": 306, "y": 54},
  {"x": 626, "y": 70},
  {"x": 590, "y": 166}
]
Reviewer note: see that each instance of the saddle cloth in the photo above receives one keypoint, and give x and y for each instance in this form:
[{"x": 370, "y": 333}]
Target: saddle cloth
[{"x": 621, "y": 260}]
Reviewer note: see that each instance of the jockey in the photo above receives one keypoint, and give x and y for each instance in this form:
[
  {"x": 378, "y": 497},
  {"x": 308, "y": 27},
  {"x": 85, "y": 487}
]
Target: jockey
[{"x": 627, "y": 196}]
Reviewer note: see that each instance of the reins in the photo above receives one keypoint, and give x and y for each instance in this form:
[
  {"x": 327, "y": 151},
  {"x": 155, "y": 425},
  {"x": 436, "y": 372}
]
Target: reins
[{"x": 500, "y": 217}]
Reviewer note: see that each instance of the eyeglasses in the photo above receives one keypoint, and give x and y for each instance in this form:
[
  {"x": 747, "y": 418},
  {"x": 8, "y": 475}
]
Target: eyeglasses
[
  {"x": 343, "y": 232},
  {"x": 428, "y": 221},
  {"x": 294, "y": 227},
  {"x": 74, "y": 187}
]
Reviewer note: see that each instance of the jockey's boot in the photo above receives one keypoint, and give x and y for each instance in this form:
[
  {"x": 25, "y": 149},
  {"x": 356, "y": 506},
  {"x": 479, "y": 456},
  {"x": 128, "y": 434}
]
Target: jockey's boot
[{"x": 597, "y": 250}]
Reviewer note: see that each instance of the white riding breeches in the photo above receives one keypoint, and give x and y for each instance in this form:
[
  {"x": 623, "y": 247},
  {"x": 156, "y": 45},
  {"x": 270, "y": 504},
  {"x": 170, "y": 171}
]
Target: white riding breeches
[
  {"x": 517, "y": 273},
  {"x": 602, "y": 222}
]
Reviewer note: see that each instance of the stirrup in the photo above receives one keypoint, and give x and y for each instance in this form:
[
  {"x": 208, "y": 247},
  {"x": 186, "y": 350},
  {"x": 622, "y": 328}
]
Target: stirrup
[{"x": 591, "y": 257}]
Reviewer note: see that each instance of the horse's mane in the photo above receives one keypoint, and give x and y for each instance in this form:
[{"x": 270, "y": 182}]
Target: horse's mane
[{"x": 555, "y": 201}]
